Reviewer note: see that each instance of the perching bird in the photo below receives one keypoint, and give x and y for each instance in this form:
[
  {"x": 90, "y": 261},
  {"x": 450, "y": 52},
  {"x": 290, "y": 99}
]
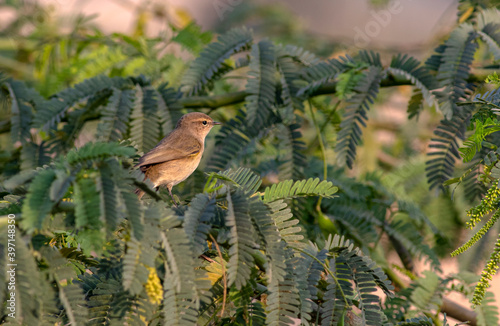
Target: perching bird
[{"x": 178, "y": 154}]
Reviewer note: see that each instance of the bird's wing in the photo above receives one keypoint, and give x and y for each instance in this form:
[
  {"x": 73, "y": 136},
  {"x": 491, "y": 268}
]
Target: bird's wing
[{"x": 170, "y": 149}]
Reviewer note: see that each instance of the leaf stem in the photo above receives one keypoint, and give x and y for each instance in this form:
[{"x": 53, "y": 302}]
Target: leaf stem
[
  {"x": 323, "y": 151},
  {"x": 224, "y": 279},
  {"x": 327, "y": 269}
]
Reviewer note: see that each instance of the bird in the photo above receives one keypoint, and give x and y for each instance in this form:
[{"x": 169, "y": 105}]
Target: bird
[{"x": 178, "y": 154}]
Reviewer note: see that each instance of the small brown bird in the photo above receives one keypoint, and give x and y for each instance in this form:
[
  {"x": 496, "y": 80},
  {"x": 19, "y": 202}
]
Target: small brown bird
[{"x": 178, "y": 154}]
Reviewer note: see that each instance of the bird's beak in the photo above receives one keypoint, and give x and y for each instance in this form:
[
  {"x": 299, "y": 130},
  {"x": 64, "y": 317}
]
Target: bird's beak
[{"x": 216, "y": 123}]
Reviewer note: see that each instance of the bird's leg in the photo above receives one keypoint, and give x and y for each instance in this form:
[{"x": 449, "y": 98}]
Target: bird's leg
[{"x": 170, "y": 192}]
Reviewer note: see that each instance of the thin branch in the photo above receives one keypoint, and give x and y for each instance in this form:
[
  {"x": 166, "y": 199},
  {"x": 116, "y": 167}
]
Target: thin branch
[
  {"x": 458, "y": 312},
  {"x": 216, "y": 101},
  {"x": 451, "y": 308},
  {"x": 323, "y": 151},
  {"x": 213, "y": 101},
  {"x": 224, "y": 279}
]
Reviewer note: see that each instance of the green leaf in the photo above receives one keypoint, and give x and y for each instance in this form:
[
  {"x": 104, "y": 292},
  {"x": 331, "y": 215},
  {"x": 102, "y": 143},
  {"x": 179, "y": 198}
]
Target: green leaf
[
  {"x": 242, "y": 178},
  {"x": 356, "y": 114},
  {"x": 145, "y": 126},
  {"x": 196, "y": 221},
  {"x": 242, "y": 235},
  {"x": 192, "y": 38},
  {"x": 23, "y": 100},
  {"x": 301, "y": 188},
  {"x": 211, "y": 62},
  {"x": 51, "y": 112},
  {"x": 87, "y": 204},
  {"x": 473, "y": 144},
  {"x": 115, "y": 116},
  {"x": 134, "y": 273},
  {"x": 98, "y": 152},
  {"x": 38, "y": 203},
  {"x": 261, "y": 84},
  {"x": 183, "y": 288},
  {"x": 108, "y": 197},
  {"x": 454, "y": 70},
  {"x": 410, "y": 68}
]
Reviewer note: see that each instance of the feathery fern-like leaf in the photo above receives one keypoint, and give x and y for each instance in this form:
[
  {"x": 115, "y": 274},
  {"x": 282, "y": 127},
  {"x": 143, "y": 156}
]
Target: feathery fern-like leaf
[
  {"x": 181, "y": 293},
  {"x": 487, "y": 312},
  {"x": 364, "y": 287},
  {"x": 115, "y": 115},
  {"x": 87, "y": 204},
  {"x": 322, "y": 73},
  {"x": 454, "y": 70},
  {"x": 291, "y": 189},
  {"x": 294, "y": 162},
  {"x": 492, "y": 42},
  {"x": 261, "y": 84},
  {"x": 334, "y": 304},
  {"x": 61, "y": 185},
  {"x": 242, "y": 239},
  {"x": 101, "y": 297},
  {"x": 415, "y": 105},
  {"x": 287, "y": 225},
  {"x": 22, "y": 101},
  {"x": 108, "y": 197},
  {"x": 421, "y": 321},
  {"x": 283, "y": 300},
  {"x": 133, "y": 208},
  {"x": 38, "y": 203},
  {"x": 145, "y": 125},
  {"x": 269, "y": 238},
  {"x": 410, "y": 68},
  {"x": 298, "y": 54},
  {"x": 290, "y": 73},
  {"x": 474, "y": 143},
  {"x": 489, "y": 30},
  {"x": 307, "y": 275},
  {"x": 370, "y": 57},
  {"x": 33, "y": 295},
  {"x": 241, "y": 177},
  {"x": 52, "y": 111},
  {"x": 70, "y": 294},
  {"x": 210, "y": 64},
  {"x": 355, "y": 115},
  {"x": 34, "y": 155},
  {"x": 435, "y": 60},
  {"x": 424, "y": 296},
  {"x": 233, "y": 139},
  {"x": 444, "y": 145},
  {"x": 99, "y": 152},
  {"x": 192, "y": 38},
  {"x": 168, "y": 100},
  {"x": 135, "y": 274},
  {"x": 196, "y": 221}
]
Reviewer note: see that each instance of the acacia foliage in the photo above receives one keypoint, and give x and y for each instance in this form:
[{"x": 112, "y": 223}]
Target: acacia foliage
[{"x": 240, "y": 249}]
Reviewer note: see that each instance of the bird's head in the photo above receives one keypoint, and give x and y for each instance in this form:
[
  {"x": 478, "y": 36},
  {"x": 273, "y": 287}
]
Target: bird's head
[{"x": 197, "y": 123}]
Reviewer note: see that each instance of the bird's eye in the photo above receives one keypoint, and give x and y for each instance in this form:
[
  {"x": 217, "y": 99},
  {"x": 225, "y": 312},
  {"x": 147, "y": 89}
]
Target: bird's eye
[{"x": 205, "y": 122}]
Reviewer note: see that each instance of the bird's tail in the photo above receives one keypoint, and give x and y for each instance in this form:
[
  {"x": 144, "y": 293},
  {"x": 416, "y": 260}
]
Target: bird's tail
[{"x": 139, "y": 193}]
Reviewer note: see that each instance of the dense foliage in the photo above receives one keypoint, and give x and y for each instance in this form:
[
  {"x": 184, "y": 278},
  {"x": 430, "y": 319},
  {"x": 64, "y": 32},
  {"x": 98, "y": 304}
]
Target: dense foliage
[{"x": 274, "y": 232}]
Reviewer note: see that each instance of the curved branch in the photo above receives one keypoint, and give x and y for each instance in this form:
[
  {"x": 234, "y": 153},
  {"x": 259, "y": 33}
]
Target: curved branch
[
  {"x": 451, "y": 308},
  {"x": 217, "y": 101},
  {"x": 213, "y": 101}
]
